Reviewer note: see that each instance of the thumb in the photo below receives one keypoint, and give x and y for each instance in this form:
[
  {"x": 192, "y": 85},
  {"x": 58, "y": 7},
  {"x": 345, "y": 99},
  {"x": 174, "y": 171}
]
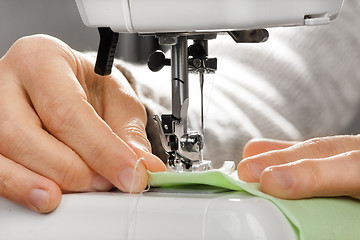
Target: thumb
[
  {"x": 134, "y": 134},
  {"x": 127, "y": 117}
]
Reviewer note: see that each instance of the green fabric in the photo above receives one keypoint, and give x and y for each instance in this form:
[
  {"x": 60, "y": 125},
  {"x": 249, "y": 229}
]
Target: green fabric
[{"x": 335, "y": 218}]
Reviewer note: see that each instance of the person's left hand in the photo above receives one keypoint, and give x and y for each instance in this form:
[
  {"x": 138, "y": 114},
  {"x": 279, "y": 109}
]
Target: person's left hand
[
  {"x": 328, "y": 166},
  {"x": 64, "y": 128}
]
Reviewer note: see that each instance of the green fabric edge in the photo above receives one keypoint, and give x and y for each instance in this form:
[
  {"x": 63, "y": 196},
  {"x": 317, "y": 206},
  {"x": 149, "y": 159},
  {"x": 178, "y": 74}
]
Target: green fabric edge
[{"x": 316, "y": 218}]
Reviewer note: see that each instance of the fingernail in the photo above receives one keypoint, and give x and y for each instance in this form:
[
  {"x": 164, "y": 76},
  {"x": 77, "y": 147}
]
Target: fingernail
[
  {"x": 129, "y": 179},
  {"x": 284, "y": 178},
  {"x": 255, "y": 168},
  {"x": 39, "y": 198}
]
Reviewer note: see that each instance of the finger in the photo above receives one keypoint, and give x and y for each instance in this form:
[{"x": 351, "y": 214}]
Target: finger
[
  {"x": 27, "y": 188},
  {"x": 129, "y": 125},
  {"x": 134, "y": 134},
  {"x": 61, "y": 104},
  {"x": 258, "y": 146},
  {"x": 251, "y": 168},
  {"x": 333, "y": 176},
  {"x": 23, "y": 140}
]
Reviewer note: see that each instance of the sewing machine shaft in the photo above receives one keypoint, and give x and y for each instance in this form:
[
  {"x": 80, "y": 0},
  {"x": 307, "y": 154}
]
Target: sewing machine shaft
[{"x": 184, "y": 147}]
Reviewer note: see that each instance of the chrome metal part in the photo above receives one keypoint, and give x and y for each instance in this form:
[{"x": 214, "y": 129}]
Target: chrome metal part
[
  {"x": 185, "y": 147},
  {"x": 192, "y": 142},
  {"x": 202, "y": 166},
  {"x": 179, "y": 77}
]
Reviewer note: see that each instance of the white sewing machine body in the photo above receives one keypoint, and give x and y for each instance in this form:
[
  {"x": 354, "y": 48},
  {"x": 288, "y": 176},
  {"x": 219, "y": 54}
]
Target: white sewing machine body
[
  {"x": 176, "y": 215},
  {"x": 165, "y": 16},
  {"x": 153, "y": 215}
]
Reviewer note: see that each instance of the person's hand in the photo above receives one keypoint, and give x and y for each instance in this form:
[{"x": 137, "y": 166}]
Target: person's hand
[
  {"x": 64, "y": 128},
  {"x": 328, "y": 166}
]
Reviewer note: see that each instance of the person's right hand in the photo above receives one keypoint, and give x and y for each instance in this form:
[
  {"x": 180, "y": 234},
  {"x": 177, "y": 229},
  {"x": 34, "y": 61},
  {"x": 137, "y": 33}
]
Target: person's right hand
[
  {"x": 64, "y": 128},
  {"x": 318, "y": 167}
]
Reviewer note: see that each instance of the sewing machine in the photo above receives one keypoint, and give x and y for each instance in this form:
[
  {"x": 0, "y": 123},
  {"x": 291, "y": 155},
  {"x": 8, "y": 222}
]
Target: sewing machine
[
  {"x": 179, "y": 214},
  {"x": 174, "y": 23}
]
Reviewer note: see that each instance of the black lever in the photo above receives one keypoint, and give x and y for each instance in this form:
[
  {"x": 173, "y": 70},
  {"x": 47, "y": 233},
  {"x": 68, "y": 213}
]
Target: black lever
[{"x": 106, "y": 51}]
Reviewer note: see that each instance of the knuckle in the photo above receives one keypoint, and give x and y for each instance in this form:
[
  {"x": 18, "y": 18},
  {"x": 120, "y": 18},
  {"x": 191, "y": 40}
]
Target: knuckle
[
  {"x": 5, "y": 183},
  {"x": 315, "y": 141},
  {"x": 316, "y": 177},
  {"x": 352, "y": 158},
  {"x": 354, "y": 154},
  {"x": 277, "y": 156},
  {"x": 42, "y": 46},
  {"x": 135, "y": 130},
  {"x": 68, "y": 178},
  {"x": 351, "y": 167},
  {"x": 71, "y": 177},
  {"x": 29, "y": 44},
  {"x": 319, "y": 146},
  {"x": 58, "y": 115}
]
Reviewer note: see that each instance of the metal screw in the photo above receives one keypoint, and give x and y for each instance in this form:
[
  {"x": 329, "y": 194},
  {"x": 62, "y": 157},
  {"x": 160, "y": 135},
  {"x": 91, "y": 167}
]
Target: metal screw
[{"x": 197, "y": 63}]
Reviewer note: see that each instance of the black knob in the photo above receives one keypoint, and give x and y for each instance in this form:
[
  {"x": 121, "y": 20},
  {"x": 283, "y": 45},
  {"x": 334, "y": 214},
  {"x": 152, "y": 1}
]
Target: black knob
[
  {"x": 197, "y": 51},
  {"x": 157, "y": 61}
]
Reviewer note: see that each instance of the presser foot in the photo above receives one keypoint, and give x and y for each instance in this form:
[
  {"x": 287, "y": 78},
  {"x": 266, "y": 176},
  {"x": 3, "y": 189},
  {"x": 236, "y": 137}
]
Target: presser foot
[
  {"x": 181, "y": 164},
  {"x": 184, "y": 149}
]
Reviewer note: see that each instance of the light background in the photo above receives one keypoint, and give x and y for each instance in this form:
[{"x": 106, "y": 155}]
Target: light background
[{"x": 59, "y": 18}]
